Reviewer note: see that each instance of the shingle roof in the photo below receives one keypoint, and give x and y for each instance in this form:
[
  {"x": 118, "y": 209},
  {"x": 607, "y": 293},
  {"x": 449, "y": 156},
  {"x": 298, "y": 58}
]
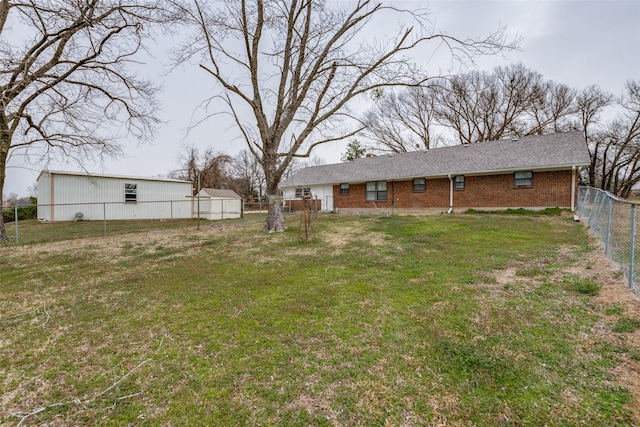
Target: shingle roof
[
  {"x": 555, "y": 151},
  {"x": 223, "y": 194}
]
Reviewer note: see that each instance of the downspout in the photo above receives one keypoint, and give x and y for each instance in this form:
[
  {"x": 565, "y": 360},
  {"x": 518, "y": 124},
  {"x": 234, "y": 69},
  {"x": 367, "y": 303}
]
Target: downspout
[
  {"x": 450, "y": 194},
  {"x": 573, "y": 188}
]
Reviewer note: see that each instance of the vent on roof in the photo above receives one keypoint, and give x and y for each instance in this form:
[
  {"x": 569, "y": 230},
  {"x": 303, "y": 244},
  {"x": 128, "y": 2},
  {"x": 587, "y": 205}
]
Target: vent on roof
[{"x": 514, "y": 139}]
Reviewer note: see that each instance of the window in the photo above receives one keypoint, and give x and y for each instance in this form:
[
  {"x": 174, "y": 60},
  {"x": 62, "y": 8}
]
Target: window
[
  {"x": 344, "y": 189},
  {"x": 131, "y": 193},
  {"x": 458, "y": 182},
  {"x": 376, "y": 191},
  {"x": 300, "y": 192},
  {"x": 419, "y": 184},
  {"x": 523, "y": 179}
]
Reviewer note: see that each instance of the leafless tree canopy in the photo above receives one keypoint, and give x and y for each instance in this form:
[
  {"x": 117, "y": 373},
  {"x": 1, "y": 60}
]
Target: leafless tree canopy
[
  {"x": 511, "y": 101},
  {"x": 65, "y": 82},
  {"x": 209, "y": 169},
  {"x": 403, "y": 121},
  {"x": 249, "y": 176},
  {"x": 294, "y": 66},
  {"x": 614, "y": 144}
]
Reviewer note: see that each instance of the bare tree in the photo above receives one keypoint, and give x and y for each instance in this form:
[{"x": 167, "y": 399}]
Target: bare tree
[
  {"x": 10, "y": 201},
  {"x": 294, "y": 66},
  {"x": 481, "y": 106},
  {"x": 553, "y": 110},
  {"x": 590, "y": 103},
  {"x": 65, "y": 87},
  {"x": 618, "y": 162},
  {"x": 477, "y": 106},
  {"x": 403, "y": 121},
  {"x": 249, "y": 175},
  {"x": 315, "y": 160},
  {"x": 209, "y": 169}
]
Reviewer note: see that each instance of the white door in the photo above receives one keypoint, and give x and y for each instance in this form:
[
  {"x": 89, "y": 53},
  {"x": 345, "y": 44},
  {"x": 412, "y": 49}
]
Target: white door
[{"x": 327, "y": 203}]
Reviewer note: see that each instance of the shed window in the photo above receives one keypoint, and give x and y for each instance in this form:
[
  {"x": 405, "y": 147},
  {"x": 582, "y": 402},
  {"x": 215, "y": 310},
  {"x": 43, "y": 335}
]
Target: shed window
[
  {"x": 376, "y": 191},
  {"x": 523, "y": 179},
  {"x": 344, "y": 188},
  {"x": 419, "y": 184},
  {"x": 458, "y": 182},
  {"x": 131, "y": 193},
  {"x": 300, "y": 192}
]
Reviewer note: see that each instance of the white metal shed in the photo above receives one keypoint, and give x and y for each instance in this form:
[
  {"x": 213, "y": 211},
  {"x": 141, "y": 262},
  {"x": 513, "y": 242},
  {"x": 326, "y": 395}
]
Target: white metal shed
[
  {"x": 63, "y": 195},
  {"x": 218, "y": 204}
]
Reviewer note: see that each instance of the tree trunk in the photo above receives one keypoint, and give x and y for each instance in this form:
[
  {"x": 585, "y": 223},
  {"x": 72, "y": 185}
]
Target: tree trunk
[
  {"x": 5, "y": 143},
  {"x": 275, "y": 218}
]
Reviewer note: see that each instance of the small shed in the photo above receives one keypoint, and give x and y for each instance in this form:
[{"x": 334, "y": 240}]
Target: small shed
[
  {"x": 67, "y": 196},
  {"x": 217, "y": 204}
]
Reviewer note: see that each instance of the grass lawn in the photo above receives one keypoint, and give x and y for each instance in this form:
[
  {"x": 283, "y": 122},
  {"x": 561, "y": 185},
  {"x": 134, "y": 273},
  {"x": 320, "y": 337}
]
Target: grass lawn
[{"x": 439, "y": 320}]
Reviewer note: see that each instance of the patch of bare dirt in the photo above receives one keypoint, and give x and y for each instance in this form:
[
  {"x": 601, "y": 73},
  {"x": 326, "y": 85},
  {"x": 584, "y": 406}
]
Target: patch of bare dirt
[
  {"x": 340, "y": 236},
  {"x": 504, "y": 277}
]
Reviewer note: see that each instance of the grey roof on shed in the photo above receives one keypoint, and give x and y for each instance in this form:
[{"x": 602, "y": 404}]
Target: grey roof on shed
[
  {"x": 219, "y": 193},
  {"x": 538, "y": 152}
]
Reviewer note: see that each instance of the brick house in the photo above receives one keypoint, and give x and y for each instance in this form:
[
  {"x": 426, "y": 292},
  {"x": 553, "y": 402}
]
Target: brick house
[{"x": 533, "y": 172}]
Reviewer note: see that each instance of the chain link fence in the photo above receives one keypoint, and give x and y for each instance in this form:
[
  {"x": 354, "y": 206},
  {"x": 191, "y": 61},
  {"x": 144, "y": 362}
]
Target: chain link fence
[
  {"x": 27, "y": 223},
  {"x": 613, "y": 221}
]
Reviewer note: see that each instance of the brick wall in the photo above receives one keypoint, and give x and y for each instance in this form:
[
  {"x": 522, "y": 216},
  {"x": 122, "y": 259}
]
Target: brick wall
[{"x": 549, "y": 189}]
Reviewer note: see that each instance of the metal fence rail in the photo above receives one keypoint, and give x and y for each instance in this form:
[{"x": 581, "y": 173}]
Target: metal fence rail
[
  {"x": 613, "y": 221},
  {"x": 165, "y": 211}
]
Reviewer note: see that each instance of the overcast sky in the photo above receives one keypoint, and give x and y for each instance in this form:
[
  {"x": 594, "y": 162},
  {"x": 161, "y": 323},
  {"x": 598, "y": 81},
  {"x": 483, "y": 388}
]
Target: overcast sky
[{"x": 578, "y": 43}]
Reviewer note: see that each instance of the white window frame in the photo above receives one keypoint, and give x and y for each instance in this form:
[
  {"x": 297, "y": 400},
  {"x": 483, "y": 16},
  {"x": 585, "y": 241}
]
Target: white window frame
[
  {"x": 376, "y": 191},
  {"x": 419, "y": 188},
  {"x": 523, "y": 179},
  {"x": 302, "y": 192},
  {"x": 130, "y": 192}
]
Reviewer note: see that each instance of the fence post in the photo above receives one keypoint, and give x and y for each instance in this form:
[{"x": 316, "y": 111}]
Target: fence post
[
  {"x": 592, "y": 213},
  {"x": 588, "y": 196},
  {"x": 606, "y": 242},
  {"x": 171, "y": 209},
  {"x": 602, "y": 202},
  {"x": 632, "y": 248},
  {"x": 15, "y": 218},
  {"x": 585, "y": 191},
  {"x": 104, "y": 217}
]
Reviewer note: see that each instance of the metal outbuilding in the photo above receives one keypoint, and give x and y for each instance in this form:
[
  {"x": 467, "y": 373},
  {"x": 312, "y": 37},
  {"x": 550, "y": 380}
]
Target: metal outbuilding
[{"x": 69, "y": 196}]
